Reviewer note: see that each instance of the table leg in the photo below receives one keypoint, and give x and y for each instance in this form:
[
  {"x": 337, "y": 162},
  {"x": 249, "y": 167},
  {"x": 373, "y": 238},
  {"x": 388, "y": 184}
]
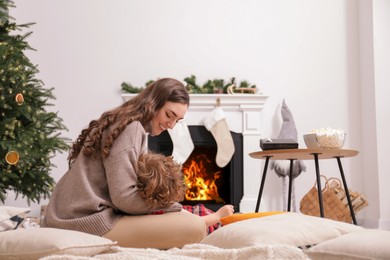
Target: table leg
[
  {"x": 262, "y": 183},
  {"x": 290, "y": 178},
  {"x": 346, "y": 190},
  {"x": 318, "y": 176}
]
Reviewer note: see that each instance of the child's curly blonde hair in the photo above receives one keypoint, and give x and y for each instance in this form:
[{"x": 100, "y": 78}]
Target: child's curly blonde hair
[{"x": 160, "y": 179}]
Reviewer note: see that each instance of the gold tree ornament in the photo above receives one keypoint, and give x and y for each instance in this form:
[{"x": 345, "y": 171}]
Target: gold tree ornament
[
  {"x": 19, "y": 99},
  {"x": 12, "y": 157}
]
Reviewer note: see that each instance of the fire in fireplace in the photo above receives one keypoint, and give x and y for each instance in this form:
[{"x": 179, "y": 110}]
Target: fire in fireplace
[
  {"x": 207, "y": 183},
  {"x": 202, "y": 177}
]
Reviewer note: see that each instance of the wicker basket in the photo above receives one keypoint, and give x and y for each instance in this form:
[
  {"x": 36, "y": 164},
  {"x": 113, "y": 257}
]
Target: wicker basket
[{"x": 335, "y": 202}]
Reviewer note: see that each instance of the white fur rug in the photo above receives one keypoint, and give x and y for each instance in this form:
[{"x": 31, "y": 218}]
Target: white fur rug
[{"x": 194, "y": 251}]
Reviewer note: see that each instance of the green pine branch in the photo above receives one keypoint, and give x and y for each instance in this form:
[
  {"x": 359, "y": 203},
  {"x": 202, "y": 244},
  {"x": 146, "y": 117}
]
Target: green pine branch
[
  {"x": 211, "y": 86},
  {"x": 31, "y": 132}
]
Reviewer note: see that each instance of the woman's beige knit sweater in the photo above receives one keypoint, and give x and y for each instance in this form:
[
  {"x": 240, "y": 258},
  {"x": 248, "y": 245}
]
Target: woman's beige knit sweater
[{"x": 97, "y": 191}]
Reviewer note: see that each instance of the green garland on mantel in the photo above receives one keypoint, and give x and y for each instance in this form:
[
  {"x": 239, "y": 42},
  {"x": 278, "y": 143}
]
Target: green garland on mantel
[{"x": 214, "y": 86}]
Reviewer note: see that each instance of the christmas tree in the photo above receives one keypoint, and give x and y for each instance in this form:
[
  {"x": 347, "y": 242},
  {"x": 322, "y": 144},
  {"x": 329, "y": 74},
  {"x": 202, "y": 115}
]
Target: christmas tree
[{"x": 29, "y": 135}]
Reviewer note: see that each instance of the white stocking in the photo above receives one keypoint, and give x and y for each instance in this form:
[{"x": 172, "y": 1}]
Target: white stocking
[
  {"x": 182, "y": 142},
  {"x": 215, "y": 122}
]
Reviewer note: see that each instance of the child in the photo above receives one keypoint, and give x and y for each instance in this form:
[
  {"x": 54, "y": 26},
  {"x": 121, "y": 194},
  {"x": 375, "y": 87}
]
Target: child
[{"x": 161, "y": 185}]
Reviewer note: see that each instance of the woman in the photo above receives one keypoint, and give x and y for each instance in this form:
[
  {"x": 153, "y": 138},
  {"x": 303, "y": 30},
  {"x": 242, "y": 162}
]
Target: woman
[{"x": 99, "y": 194}]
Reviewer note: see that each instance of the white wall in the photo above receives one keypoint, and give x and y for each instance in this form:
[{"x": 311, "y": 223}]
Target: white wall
[
  {"x": 381, "y": 32},
  {"x": 305, "y": 51}
]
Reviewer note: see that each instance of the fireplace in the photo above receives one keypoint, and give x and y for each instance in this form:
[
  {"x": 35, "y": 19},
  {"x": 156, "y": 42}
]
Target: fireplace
[
  {"x": 243, "y": 116},
  {"x": 207, "y": 183}
]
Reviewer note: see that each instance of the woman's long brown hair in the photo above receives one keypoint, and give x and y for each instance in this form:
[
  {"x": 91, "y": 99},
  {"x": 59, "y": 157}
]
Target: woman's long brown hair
[{"x": 141, "y": 108}]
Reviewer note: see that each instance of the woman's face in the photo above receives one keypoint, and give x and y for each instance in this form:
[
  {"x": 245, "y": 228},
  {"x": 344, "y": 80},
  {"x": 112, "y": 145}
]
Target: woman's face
[{"x": 167, "y": 117}]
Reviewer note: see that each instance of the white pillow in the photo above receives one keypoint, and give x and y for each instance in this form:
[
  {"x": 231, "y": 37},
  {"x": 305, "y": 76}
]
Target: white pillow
[
  {"x": 291, "y": 228},
  {"x": 7, "y": 212},
  {"x": 34, "y": 243},
  {"x": 364, "y": 244}
]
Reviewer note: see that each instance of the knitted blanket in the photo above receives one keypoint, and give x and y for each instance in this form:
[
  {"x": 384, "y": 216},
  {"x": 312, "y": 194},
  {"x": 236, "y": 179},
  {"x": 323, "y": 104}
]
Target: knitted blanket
[{"x": 194, "y": 252}]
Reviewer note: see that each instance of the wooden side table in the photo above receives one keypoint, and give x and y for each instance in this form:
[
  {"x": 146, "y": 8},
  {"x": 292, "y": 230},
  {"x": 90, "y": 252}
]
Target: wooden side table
[{"x": 306, "y": 154}]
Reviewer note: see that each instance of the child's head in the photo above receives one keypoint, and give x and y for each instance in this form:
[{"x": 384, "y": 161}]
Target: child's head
[{"x": 160, "y": 179}]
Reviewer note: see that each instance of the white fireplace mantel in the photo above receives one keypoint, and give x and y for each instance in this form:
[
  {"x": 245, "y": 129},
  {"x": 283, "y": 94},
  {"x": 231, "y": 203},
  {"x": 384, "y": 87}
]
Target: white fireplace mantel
[{"x": 243, "y": 115}]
